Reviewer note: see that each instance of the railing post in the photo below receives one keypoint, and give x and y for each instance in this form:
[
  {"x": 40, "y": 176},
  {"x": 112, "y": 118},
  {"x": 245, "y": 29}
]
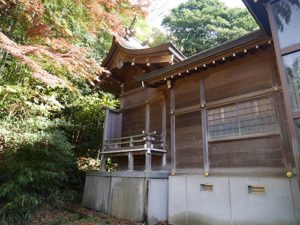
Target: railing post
[
  {"x": 130, "y": 161},
  {"x": 131, "y": 142},
  {"x": 103, "y": 163}
]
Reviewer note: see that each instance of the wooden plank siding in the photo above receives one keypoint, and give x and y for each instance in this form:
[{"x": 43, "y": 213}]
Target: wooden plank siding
[
  {"x": 189, "y": 151},
  {"x": 133, "y": 122},
  {"x": 256, "y": 152},
  {"x": 187, "y": 92},
  {"x": 156, "y": 117},
  {"x": 248, "y": 74}
]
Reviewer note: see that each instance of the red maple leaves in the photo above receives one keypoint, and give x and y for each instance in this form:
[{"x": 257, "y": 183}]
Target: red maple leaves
[{"x": 44, "y": 43}]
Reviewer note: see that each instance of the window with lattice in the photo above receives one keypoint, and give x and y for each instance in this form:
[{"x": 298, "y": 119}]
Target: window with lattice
[{"x": 243, "y": 118}]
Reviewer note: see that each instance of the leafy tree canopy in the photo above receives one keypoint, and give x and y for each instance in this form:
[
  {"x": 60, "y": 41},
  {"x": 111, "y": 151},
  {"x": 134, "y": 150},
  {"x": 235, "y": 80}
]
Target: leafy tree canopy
[
  {"x": 51, "y": 117},
  {"x": 63, "y": 33},
  {"x": 201, "y": 24}
]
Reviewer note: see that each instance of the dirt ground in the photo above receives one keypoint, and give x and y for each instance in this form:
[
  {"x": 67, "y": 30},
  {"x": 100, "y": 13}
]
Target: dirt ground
[{"x": 75, "y": 214}]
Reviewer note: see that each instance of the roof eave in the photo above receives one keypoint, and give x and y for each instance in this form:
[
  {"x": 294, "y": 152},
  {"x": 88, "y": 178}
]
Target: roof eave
[
  {"x": 220, "y": 49},
  {"x": 259, "y": 13}
]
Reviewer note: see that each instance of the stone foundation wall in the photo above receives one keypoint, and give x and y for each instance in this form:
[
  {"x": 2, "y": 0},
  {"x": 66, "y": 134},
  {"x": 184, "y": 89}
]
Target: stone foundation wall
[
  {"x": 136, "y": 196},
  {"x": 232, "y": 202}
]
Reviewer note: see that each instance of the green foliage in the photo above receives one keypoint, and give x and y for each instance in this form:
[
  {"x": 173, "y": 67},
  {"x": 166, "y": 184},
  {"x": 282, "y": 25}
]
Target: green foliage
[
  {"x": 146, "y": 32},
  {"x": 48, "y": 132},
  {"x": 201, "y": 24},
  {"x": 36, "y": 173},
  {"x": 44, "y": 131}
]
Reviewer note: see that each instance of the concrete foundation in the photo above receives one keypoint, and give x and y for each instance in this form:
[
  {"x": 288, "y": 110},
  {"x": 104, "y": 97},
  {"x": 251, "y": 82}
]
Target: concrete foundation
[
  {"x": 230, "y": 201},
  {"x": 136, "y": 196}
]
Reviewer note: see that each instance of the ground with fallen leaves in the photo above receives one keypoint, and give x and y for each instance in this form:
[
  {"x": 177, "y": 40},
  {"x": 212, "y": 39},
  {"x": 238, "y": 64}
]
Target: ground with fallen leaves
[{"x": 76, "y": 215}]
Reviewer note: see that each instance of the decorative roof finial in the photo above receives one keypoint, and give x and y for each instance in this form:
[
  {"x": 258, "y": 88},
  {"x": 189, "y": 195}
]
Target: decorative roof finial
[{"x": 133, "y": 23}]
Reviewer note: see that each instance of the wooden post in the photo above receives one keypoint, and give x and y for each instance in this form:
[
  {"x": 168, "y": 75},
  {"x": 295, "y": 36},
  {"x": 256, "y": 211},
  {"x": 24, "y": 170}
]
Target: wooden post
[
  {"x": 147, "y": 125},
  {"x": 130, "y": 161},
  {"x": 164, "y": 160},
  {"x": 164, "y": 131},
  {"x": 105, "y": 129},
  {"x": 130, "y": 156},
  {"x": 103, "y": 163},
  {"x": 204, "y": 126},
  {"x": 122, "y": 93},
  {"x": 173, "y": 143},
  {"x": 148, "y": 161}
]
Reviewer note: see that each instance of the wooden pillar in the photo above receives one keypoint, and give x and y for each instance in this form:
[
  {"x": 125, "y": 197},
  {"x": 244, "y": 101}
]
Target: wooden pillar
[
  {"x": 103, "y": 163},
  {"x": 204, "y": 126},
  {"x": 130, "y": 156},
  {"x": 284, "y": 132},
  {"x": 130, "y": 161},
  {"x": 164, "y": 130},
  {"x": 173, "y": 146},
  {"x": 122, "y": 93},
  {"x": 164, "y": 160},
  {"x": 148, "y": 162},
  {"x": 105, "y": 129},
  {"x": 147, "y": 112}
]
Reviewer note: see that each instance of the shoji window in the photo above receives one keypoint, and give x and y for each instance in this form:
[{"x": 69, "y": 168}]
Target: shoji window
[{"x": 243, "y": 118}]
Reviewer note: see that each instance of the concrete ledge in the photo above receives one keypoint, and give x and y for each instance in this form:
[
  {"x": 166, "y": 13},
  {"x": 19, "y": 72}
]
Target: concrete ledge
[
  {"x": 136, "y": 174},
  {"x": 249, "y": 172}
]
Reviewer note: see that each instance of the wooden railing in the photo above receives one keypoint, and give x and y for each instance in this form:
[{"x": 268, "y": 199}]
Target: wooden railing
[{"x": 144, "y": 143}]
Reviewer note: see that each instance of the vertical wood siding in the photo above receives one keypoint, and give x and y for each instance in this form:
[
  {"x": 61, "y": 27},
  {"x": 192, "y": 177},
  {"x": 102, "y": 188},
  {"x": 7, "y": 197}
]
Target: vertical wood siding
[{"x": 189, "y": 151}]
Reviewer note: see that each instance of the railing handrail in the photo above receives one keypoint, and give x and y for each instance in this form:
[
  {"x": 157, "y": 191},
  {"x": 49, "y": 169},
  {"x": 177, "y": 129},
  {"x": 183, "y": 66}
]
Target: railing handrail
[
  {"x": 125, "y": 142},
  {"x": 148, "y": 139},
  {"x": 144, "y": 134}
]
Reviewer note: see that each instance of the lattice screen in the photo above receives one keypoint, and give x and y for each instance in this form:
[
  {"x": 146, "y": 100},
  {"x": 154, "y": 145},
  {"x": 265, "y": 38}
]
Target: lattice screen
[{"x": 247, "y": 117}]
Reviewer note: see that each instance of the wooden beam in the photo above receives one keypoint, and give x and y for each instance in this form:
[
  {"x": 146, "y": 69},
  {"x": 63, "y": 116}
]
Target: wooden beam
[
  {"x": 240, "y": 98},
  {"x": 204, "y": 126},
  {"x": 173, "y": 143},
  {"x": 227, "y": 101},
  {"x": 245, "y": 136}
]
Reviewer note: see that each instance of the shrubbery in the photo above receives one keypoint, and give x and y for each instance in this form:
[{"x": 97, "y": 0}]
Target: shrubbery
[{"x": 44, "y": 132}]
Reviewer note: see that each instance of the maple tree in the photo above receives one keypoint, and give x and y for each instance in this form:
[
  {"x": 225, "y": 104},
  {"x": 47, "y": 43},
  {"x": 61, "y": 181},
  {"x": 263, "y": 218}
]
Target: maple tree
[
  {"x": 48, "y": 32},
  {"x": 51, "y": 116}
]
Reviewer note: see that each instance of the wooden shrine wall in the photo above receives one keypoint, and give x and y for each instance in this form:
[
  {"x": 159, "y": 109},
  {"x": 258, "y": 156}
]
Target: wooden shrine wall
[
  {"x": 189, "y": 151},
  {"x": 250, "y": 74},
  {"x": 248, "y": 81},
  {"x": 134, "y": 120},
  {"x": 244, "y": 75}
]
